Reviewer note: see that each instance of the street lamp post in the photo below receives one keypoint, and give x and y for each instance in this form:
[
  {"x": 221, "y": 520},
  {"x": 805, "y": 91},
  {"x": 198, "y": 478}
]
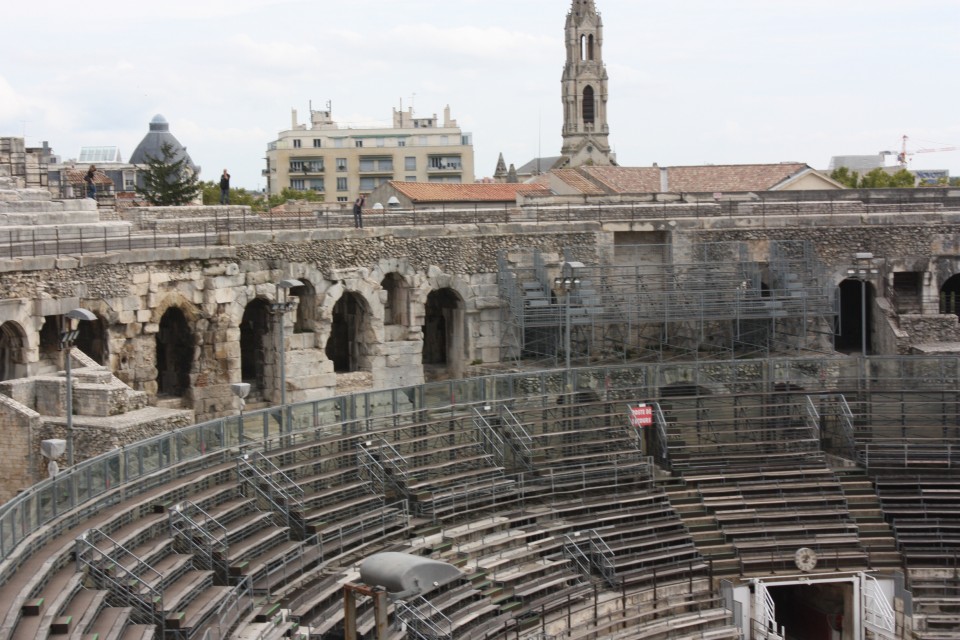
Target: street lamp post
[
  {"x": 279, "y": 308},
  {"x": 862, "y": 271},
  {"x": 67, "y": 337}
]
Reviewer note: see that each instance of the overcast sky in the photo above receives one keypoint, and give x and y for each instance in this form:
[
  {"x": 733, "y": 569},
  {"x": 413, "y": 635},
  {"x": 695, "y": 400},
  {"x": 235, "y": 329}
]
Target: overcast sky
[{"x": 691, "y": 81}]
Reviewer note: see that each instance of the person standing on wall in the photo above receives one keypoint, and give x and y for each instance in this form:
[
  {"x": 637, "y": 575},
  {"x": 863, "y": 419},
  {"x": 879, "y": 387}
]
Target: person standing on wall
[
  {"x": 225, "y": 188},
  {"x": 358, "y": 212},
  {"x": 90, "y": 178}
]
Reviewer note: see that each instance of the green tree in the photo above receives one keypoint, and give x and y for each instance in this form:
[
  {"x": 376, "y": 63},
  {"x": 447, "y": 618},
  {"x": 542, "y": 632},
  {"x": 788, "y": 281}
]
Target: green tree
[
  {"x": 211, "y": 195},
  {"x": 880, "y": 179},
  {"x": 954, "y": 182},
  {"x": 168, "y": 181},
  {"x": 846, "y": 177}
]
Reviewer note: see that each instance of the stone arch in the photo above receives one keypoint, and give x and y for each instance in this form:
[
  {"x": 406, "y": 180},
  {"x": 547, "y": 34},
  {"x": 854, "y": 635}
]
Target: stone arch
[
  {"x": 849, "y": 334},
  {"x": 254, "y": 327},
  {"x": 13, "y": 351},
  {"x": 443, "y": 332},
  {"x": 307, "y": 315},
  {"x": 350, "y": 334},
  {"x": 589, "y": 106},
  {"x": 92, "y": 339},
  {"x": 175, "y": 344},
  {"x": 950, "y": 296}
]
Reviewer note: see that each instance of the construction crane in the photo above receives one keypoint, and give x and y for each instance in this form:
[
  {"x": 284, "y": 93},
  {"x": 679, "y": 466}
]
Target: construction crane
[{"x": 903, "y": 156}]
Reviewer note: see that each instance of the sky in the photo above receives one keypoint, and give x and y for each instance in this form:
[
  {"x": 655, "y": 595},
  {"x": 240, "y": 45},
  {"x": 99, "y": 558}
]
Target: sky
[{"x": 691, "y": 81}]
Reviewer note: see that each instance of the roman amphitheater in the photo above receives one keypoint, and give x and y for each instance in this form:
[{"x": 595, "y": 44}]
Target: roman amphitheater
[{"x": 575, "y": 418}]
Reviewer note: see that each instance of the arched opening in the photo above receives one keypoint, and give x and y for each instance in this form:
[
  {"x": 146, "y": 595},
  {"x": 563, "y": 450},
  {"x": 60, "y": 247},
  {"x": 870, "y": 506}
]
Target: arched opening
[
  {"x": 583, "y": 47},
  {"x": 950, "y": 296},
  {"x": 254, "y": 326},
  {"x": 589, "y": 106},
  {"x": 856, "y": 297},
  {"x": 174, "y": 354},
  {"x": 92, "y": 339},
  {"x": 306, "y": 319},
  {"x": 395, "y": 310},
  {"x": 345, "y": 348},
  {"x": 590, "y": 47},
  {"x": 13, "y": 354},
  {"x": 443, "y": 331}
]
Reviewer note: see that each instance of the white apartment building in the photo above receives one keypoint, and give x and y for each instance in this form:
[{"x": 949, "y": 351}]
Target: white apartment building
[{"x": 342, "y": 161}]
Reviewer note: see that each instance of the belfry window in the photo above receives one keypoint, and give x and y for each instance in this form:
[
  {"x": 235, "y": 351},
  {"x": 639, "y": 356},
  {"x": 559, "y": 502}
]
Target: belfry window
[{"x": 589, "y": 106}]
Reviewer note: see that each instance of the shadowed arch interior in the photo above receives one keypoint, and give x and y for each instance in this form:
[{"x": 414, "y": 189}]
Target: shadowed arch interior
[
  {"x": 345, "y": 346},
  {"x": 254, "y": 326},
  {"x": 442, "y": 330},
  {"x": 13, "y": 363},
  {"x": 175, "y": 346}
]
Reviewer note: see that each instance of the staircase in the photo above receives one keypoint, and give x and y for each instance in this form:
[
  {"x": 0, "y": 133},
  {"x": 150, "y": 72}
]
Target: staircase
[
  {"x": 703, "y": 528},
  {"x": 875, "y": 533}
]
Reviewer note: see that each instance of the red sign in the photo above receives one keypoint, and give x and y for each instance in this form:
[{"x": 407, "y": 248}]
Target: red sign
[{"x": 641, "y": 415}]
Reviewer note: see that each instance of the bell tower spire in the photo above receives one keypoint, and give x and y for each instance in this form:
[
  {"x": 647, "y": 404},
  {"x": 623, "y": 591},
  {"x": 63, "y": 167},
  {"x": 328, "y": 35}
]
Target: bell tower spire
[{"x": 584, "y": 89}]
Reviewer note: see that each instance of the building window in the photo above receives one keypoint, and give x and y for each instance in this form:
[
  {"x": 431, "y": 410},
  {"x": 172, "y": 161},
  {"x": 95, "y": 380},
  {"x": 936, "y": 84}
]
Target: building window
[
  {"x": 401, "y": 142},
  {"x": 128, "y": 181},
  {"x": 465, "y": 140},
  {"x": 296, "y": 143},
  {"x": 317, "y": 143},
  {"x": 411, "y": 178},
  {"x": 341, "y": 184},
  {"x": 589, "y": 106},
  {"x": 376, "y": 164},
  {"x": 410, "y": 163},
  {"x": 316, "y": 184},
  {"x": 358, "y": 143},
  {"x": 341, "y": 198},
  {"x": 296, "y": 166},
  {"x": 338, "y": 143},
  {"x": 368, "y": 184},
  {"x": 445, "y": 163},
  {"x": 297, "y": 185},
  {"x": 341, "y": 164}
]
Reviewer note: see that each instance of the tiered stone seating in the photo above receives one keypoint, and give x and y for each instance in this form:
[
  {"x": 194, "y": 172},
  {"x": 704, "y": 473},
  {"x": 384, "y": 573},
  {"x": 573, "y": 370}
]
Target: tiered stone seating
[
  {"x": 924, "y": 512},
  {"x": 768, "y": 514}
]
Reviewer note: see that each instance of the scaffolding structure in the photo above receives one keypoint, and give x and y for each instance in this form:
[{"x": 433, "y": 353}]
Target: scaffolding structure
[{"x": 713, "y": 301}]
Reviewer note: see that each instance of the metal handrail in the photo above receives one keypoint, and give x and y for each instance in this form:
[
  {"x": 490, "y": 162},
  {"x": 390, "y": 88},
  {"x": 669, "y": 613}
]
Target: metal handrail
[{"x": 121, "y": 474}]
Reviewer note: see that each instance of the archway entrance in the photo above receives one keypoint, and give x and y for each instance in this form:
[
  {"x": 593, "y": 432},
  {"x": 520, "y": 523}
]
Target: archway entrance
[
  {"x": 13, "y": 355},
  {"x": 254, "y": 326},
  {"x": 174, "y": 354},
  {"x": 950, "y": 296},
  {"x": 345, "y": 348},
  {"x": 854, "y": 316},
  {"x": 443, "y": 334},
  {"x": 92, "y": 339}
]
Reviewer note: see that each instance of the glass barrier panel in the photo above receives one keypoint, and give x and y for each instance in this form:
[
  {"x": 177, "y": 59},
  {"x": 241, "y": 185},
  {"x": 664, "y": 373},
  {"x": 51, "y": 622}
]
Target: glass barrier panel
[
  {"x": 188, "y": 444},
  {"x": 63, "y": 501},
  {"x": 45, "y": 502},
  {"x": 232, "y": 428},
  {"x": 133, "y": 461},
  {"x": 112, "y": 471}
]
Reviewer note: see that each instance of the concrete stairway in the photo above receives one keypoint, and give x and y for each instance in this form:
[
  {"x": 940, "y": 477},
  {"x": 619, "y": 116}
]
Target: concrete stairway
[
  {"x": 875, "y": 533},
  {"x": 703, "y": 528}
]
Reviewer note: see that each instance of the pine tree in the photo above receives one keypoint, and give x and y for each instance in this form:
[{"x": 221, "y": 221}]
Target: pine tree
[{"x": 168, "y": 181}]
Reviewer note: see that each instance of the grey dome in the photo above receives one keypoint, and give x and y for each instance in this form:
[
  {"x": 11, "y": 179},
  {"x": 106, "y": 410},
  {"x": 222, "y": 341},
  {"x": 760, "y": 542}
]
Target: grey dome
[{"x": 159, "y": 135}]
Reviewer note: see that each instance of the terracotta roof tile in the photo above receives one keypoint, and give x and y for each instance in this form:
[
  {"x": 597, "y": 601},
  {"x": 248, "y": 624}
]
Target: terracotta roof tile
[
  {"x": 75, "y": 177},
  {"x": 737, "y": 177},
  {"x": 578, "y": 181},
  {"x": 474, "y": 192},
  {"x": 626, "y": 179}
]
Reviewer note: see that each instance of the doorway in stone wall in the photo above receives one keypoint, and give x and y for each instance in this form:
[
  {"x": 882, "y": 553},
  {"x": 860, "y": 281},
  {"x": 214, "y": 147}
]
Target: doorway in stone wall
[
  {"x": 175, "y": 346},
  {"x": 345, "y": 347},
  {"x": 13, "y": 355},
  {"x": 92, "y": 339},
  {"x": 254, "y": 328},
  {"x": 443, "y": 344}
]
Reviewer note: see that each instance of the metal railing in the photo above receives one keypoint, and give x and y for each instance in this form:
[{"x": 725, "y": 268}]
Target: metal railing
[
  {"x": 53, "y": 506},
  {"x": 220, "y": 229}
]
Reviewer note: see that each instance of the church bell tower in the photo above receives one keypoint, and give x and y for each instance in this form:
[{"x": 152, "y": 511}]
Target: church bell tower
[{"x": 584, "y": 83}]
